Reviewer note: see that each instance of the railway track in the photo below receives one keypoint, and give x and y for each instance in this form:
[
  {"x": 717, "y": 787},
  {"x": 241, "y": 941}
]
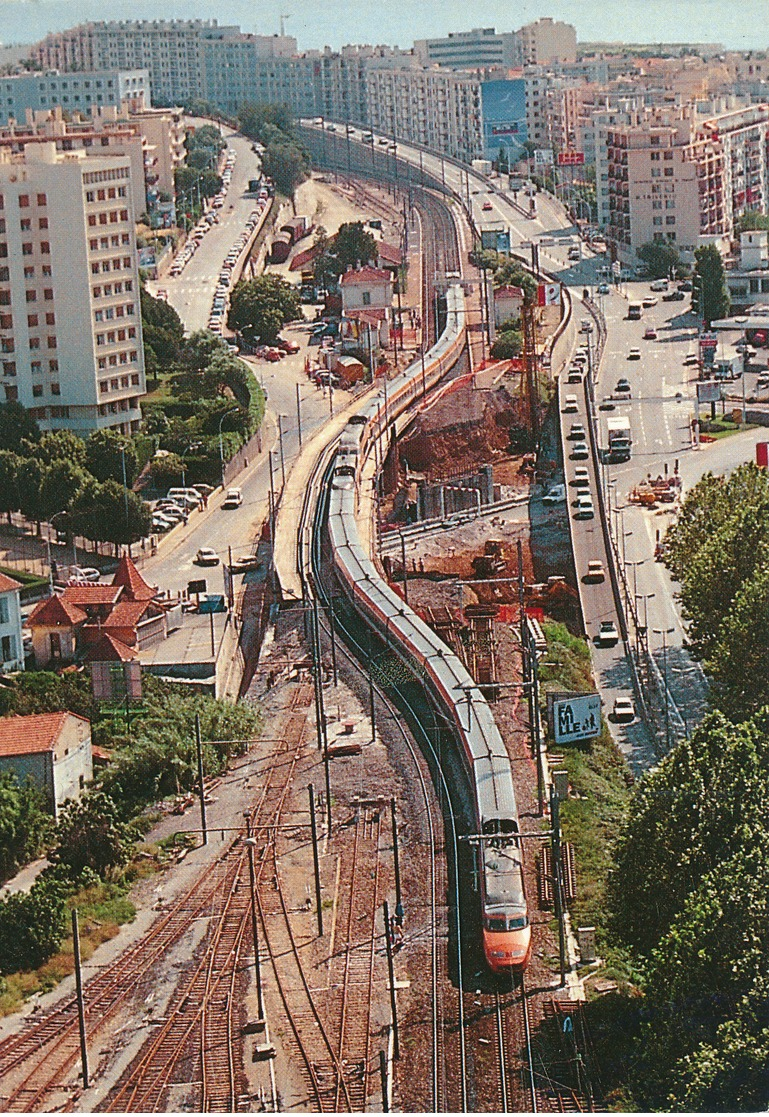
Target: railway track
[{"x": 40, "y": 1058}]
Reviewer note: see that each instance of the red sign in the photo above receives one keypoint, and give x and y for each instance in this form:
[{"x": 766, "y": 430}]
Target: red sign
[{"x": 571, "y": 158}]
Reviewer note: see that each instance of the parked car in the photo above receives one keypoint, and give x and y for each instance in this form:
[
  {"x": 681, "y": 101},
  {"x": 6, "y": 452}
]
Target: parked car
[
  {"x": 207, "y": 556},
  {"x": 234, "y": 499},
  {"x": 575, "y": 375},
  {"x": 623, "y": 387},
  {"x": 606, "y": 404},
  {"x": 650, "y": 334},
  {"x": 585, "y": 507},
  {"x": 581, "y": 475},
  {"x": 577, "y": 432},
  {"x": 634, "y": 355},
  {"x": 603, "y": 289},
  {"x": 570, "y": 405},
  {"x": 649, "y": 302},
  {"x": 244, "y": 563},
  {"x": 623, "y": 710},
  {"x": 595, "y": 571},
  {"x": 607, "y": 635},
  {"x": 486, "y": 205},
  {"x": 84, "y": 574},
  {"x": 674, "y": 296},
  {"x": 685, "y": 286},
  {"x": 286, "y": 345},
  {"x": 557, "y": 495},
  {"x": 659, "y": 285},
  {"x": 574, "y": 253},
  {"x": 579, "y": 452}
]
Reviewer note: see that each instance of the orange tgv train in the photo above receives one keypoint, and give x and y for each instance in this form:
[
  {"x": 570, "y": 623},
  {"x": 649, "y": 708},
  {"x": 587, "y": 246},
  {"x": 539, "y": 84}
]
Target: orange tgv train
[{"x": 505, "y": 924}]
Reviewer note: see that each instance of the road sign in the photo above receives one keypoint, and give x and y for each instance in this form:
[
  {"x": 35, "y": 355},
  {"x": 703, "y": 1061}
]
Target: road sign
[{"x": 574, "y": 717}]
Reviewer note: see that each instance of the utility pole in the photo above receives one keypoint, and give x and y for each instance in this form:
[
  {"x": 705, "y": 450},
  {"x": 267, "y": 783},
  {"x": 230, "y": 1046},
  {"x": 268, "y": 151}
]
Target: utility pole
[
  {"x": 555, "y": 820},
  {"x": 201, "y": 784},
  {"x": 80, "y": 1001}
]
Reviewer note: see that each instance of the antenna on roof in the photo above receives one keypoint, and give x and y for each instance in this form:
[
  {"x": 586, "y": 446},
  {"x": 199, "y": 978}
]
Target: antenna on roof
[{"x": 283, "y": 19}]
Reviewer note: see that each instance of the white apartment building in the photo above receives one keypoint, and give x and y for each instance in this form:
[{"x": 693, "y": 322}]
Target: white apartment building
[
  {"x": 75, "y": 92},
  {"x": 466, "y": 50},
  {"x": 546, "y": 41},
  {"x": 438, "y": 108},
  {"x": 70, "y": 321}
]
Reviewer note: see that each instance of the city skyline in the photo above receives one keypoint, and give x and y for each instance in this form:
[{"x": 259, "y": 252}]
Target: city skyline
[{"x": 331, "y": 23}]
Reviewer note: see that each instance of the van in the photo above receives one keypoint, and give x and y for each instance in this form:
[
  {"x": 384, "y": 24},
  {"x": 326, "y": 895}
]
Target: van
[
  {"x": 184, "y": 496},
  {"x": 570, "y": 405}
]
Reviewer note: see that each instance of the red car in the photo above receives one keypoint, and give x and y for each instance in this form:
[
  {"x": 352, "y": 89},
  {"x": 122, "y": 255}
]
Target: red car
[{"x": 287, "y": 346}]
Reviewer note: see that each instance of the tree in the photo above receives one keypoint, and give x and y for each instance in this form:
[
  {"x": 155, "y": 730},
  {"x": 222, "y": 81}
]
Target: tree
[
  {"x": 261, "y": 307},
  {"x": 710, "y": 295},
  {"x": 10, "y": 498},
  {"x": 29, "y": 477},
  {"x": 32, "y": 927},
  {"x": 288, "y": 165},
  {"x": 686, "y": 818},
  {"x": 508, "y": 344},
  {"x": 750, "y": 221},
  {"x": 510, "y": 272},
  {"x": 16, "y": 427},
  {"x": 90, "y": 835},
  {"x": 662, "y": 260},
  {"x": 738, "y": 659},
  {"x": 24, "y": 823},
  {"x": 109, "y": 513},
  {"x": 58, "y": 446},
  {"x": 162, "y": 328},
  {"x": 353, "y": 245},
  {"x": 60, "y": 485},
  {"x": 252, "y": 119},
  {"x": 106, "y": 451},
  {"x": 200, "y": 348}
]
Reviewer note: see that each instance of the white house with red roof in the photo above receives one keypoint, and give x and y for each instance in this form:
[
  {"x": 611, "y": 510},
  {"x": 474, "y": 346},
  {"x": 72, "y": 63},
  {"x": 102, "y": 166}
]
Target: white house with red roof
[
  {"x": 508, "y": 303},
  {"x": 366, "y": 288},
  {"x": 11, "y": 644},
  {"x": 54, "y": 750}
]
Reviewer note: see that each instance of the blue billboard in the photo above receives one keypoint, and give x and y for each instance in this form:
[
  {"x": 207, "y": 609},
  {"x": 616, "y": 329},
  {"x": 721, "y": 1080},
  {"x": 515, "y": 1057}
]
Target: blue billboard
[{"x": 503, "y": 112}]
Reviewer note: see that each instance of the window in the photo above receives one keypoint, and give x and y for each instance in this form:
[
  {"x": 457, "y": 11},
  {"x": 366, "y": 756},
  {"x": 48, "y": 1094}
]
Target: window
[
  {"x": 26, "y": 248},
  {"x": 37, "y": 368},
  {"x": 4, "y": 275},
  {"x": 656, "y": 221},
  {"x": 46, "y": 270},
  {"x": 45, "y": 248},
  {"x": 657, "y": 204},
  {"x": 668, "y": 172},
  {"x": 655, "y": 156},
  {"x": 667, "y": 156},
  {"x": 34, "y": 343},
  {"x": 50, "y": 318},
  {"x": 48, "y": 294},
  {"x": 37, "y": 390},
  {"x": 6, "y": 321},
  {"x": 98, "y": 316},
  {"x": 42, "y": 200},
  {"x": 31, "y": 296},
  {"x": 9, "y": 368},
  {"x": 93, "y": 244},
  {"x": 9, "y": 649},
  {"x": 32, "y": 320},
  {"x": 26, "y": 224},
  {"x": 91, "y": 219},
  {"x": 89, "y": 195},
  {"x": 51, "y": 341},
  {"x": 670, "y": 220},
  {"x": 11, "y": 393},
  {"x": 55, "y": 389},
  {"x": 29, "y": 272},
  {"x": 97, "y": 292},
  {"x": 655, "y": 172},
  {"x": 53, "y": 365},
  {"x": 23, "y": 201}
]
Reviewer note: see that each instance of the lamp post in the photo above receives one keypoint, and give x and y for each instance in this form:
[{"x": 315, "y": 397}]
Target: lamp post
[
  {"x": 282, "y": 455},
  {"x": 187, "y": 450},
  {"x": 664, "y": 633},
  {"x": 222, "y": 417},
  {"x": 63, "y": 512}
]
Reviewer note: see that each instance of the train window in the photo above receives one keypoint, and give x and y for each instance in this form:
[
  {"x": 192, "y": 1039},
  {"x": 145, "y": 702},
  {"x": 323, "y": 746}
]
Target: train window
[{"x": 496, "y": 924}]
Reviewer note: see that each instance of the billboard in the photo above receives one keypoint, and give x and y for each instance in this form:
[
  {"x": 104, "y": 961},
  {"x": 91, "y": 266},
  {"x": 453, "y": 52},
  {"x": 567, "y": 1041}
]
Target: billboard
[
  {"x": 709, "y": 391},
  {"x": 574, "y": 717},
  {"x": 543, "y": 157},
  {"x": 503, "y": 118},
  {"x": 571, "y": 158},
  {"x": 548, "y": 294}
]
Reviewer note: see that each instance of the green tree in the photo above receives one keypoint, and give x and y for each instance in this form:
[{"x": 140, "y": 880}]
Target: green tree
[
  {"x": 352, "y": 246},
  {"x": 25, "y": 822},
  {"x": 252, "y": 119},
  {"x": 200, "y": 348},
  {"x": 16, "y": 427},
  {"x": 162, "y": 328},
  {"x": 750, "y": 221},
  {"x": 710, "y": 295},
  {"x": 737, "y": 661},
  {"x": 58, "y": 446},
  {"x": 662, "y": 260},
  {"x": 106, "y": 451},
  {"x": 261, "y": 307},
  {"x": 29, "y": 477},
  {"x": 32, "y": 927},
  {"x": 90, "y": 835},
  {"x": 507, "y": 344},
  {"x": 686, "y": 817},
  {"x": 109, "y": 513},
  {"x": 60, "y": 485},
  {"x": 510, "y": 273},
  {"x": 10, "y": 497},
  {"x": 288, "y": 165}
]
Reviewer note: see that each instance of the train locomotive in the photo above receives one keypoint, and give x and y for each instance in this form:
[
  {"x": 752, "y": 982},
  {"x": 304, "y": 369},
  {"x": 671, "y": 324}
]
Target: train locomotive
[{"x": 505, "y": 924}]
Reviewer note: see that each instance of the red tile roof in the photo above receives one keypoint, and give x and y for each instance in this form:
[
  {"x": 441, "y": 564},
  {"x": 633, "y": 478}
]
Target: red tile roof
[
  {"x": 127, "y": 576},
  {"x": 108, "y": 649},
  {"x": 306, "y": 256},
  {"x": 55, "y": 611},
  {"x": 7, "y": 583},
  {"x": 21, "y": 736},
  {"x": 127, "y": 614},
  {"x": 508, "y": 292},
  {"x": 371, "y": 315},
  {"x": 365, "y": 275},
  {"x": 91, "y": 594},
  {"x": 389, "y": 252}
]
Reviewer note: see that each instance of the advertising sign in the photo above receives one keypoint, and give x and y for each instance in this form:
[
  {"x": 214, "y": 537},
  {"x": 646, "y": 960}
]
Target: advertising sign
[
  {"x": 574, "y": 717},
  {"x": 543, "y": 157},
  {"x": 571, "y": 158},
  {"x": 709, "y": 391}
]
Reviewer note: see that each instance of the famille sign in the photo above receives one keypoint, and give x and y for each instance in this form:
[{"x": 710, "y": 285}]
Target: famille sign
[{"x": 574, "y": 717}]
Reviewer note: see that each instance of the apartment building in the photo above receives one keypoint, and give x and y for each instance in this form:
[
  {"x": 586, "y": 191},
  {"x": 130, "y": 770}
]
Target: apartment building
[
  {"x": 75, "y": 92},
  {"x": 653, "y": 189},
  {"x": 70, "y": 322},
  {"x": 438, "y": 108},
  {"x": 545, "y": 42},
  {"x": 553, "y": 108},
  {"x": 173, "y": 51},
  {"x": 469, "y": 50}
]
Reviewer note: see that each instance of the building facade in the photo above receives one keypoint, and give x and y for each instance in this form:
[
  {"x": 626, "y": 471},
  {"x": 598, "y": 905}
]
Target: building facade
[
  {"x": 468, "y": 50},
  {"x": 70, "y": 322},
  {"x": 74, "y": 92},
  {"x": 11, "y": 644},
  {"x": 53, "y": 750}
]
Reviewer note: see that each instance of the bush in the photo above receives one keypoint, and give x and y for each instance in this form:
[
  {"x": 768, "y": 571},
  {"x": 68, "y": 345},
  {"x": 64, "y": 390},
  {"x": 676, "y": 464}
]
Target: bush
[{"x": 32, "y": 926}]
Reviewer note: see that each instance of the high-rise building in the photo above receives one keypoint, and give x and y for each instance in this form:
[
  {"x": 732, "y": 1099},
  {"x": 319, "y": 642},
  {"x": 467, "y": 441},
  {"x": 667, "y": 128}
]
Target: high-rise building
[
  {"x": 70, "y": 321},
  {"x": 545, "y": 42},
  {"x": 469, "y": 50},
  {"x": 75, "y": 92}
]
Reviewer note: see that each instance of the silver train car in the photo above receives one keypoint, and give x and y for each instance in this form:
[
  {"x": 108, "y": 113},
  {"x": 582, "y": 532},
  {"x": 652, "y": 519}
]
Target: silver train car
[{"x": 505, "y": 924}]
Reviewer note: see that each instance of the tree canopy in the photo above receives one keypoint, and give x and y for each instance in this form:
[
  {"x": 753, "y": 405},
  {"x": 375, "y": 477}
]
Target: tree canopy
[
  {"x": 710, "y": 295},
  {"x": 260, "y": 308},
  {"x": 662, "y": 260}
]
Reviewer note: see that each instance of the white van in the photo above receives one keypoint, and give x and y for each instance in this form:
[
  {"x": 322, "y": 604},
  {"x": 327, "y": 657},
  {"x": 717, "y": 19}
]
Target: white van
[{"x": 189, "y": 497}]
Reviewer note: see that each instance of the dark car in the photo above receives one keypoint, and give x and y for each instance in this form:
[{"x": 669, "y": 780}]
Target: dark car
[{"x": 673, "y": 296}]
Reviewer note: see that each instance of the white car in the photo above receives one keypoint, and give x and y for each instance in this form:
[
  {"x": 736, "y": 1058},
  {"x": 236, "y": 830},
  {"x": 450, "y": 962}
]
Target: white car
[
  {"x": 234, "y": 499},
  {"x": 623, "y": 709},
  {"x": 585, "y": 508},
  {"x": 581, "y": 475},
  {"x": 207, "y": 556},
  {"x": 557, "y": 495}
]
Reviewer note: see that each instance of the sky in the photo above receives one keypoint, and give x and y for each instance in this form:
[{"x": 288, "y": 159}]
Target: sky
[{"x": 739, "y": 26}]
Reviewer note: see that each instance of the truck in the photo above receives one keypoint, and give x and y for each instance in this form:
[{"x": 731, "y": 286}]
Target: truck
[
  {"x": 728, "y": 368},
  {"x": 618, "y": 438}
]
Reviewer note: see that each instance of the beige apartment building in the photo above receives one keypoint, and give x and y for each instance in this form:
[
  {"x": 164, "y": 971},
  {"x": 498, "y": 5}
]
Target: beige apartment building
[{"x": 70, "y": 322}]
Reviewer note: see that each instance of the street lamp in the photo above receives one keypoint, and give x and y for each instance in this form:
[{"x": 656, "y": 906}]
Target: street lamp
[
  {"x": 224, "y": 415},
  {"x": 48, "y": 547},
  {"x": 664, "y": 633},
  {"x": 192, "y": 446}
]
